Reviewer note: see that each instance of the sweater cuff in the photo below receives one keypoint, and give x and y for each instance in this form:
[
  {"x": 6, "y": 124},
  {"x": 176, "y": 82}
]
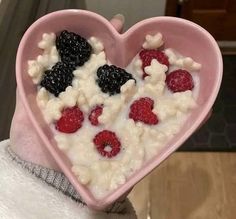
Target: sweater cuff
[{"x": 60, "y": 182}]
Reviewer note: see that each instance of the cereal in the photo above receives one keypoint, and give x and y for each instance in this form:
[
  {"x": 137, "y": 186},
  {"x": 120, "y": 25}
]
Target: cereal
[{"x": 139, "y": 141}]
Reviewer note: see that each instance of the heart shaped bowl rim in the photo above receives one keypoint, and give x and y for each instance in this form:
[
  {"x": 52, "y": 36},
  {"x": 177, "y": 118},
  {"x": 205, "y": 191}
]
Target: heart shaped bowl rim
[{"x": 28, "y": 96}]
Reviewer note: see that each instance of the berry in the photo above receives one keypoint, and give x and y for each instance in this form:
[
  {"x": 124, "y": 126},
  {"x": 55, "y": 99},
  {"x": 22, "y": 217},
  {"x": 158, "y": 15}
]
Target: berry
[
  {"x": 94, "y": 114},
  {"x": 148, "y": 55},
  {"x": 179, "y": 80},
  {"x": 141, "y": 110},
  {"x": 111, "y": 78},
  {"x": 58, "y": 78},
  {"x": 73, "y": 48},
  {"x": 71, "y": 120},
  {"x": 107, "y": 143}
]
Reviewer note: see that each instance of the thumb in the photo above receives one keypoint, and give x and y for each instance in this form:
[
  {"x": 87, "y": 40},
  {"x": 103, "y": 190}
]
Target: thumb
[{"x": 118, "y": 22}]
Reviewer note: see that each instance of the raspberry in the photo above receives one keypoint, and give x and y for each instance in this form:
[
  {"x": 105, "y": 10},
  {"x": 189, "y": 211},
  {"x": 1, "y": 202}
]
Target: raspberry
[
  {"x": 94, "y": 114},
  {"x": 148, "y": 55},
  {"x": 111, "y": 78},
  {"x": 107, "y": 143},
  {"x": 141, "y": 110},
  {"x": 73, "y": 48},
  {"x": 179, "y": 80},
  {"x": 71, "y": 120},
  {"x": 58, "y": 78}
]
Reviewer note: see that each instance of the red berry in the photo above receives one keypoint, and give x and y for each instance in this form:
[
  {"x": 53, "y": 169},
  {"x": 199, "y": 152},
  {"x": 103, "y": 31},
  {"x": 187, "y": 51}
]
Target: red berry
[
  {"x": 148, "y": 55},
  {"x": 71, "y": 120},
  {"x": 141, "y": 110},
  {"x": 107, "y": 143},
  {"x": 94, "y": 114},
  {"x": 179, "y": 80}
]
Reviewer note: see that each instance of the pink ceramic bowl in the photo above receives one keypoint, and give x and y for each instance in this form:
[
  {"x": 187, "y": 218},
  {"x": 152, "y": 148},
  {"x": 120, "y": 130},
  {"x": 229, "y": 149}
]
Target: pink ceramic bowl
[{"x": 184, "y": 36}]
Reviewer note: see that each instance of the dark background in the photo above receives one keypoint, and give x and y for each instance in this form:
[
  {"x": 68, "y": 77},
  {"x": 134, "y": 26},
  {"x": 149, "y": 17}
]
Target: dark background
[{"x": 218, "y": 134}]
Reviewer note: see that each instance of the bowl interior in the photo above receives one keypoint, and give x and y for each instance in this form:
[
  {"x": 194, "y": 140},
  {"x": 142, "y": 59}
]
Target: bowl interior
[{"x": 185, "y": 37}]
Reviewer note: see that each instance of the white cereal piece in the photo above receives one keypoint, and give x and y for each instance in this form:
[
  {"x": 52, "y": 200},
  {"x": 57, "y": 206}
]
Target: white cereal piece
[
  {"x": 102, "y": 182},
  {"x": 47, "y": 61},
  {"x": 154, "y": 84},
  {"x": 156, "y": 139},
  {"x": 184, "y": 100},
  {"x": 156, "y": 72},
  {"x": 83, "y": 173},
  {"x": 82, "y": 103},
  {"x": 151, "y": 150},
  {"x": 138, "y": 67},
  {"x": 153, "y": 42},
  {"x": 96, "y": 45},
  {"x": 116, "y": 181},
  {"x": 161, "y": 137},
  {"x": 135, "y": 130},
  {"x": 130, "y": 135},
  {"x": 54, "y": 56},
  {"x": 69, "y": 96},
  {"x": 85, "y": 108},
  {"x": 44, "y": 60},
  {"x": 75, "y": 83},
  {"x": 150, "y": 137},
  {"x": 100, "y": 61},
  {"x": 171, "y": 56},
  {"x": 48, "y": 40},
  {"x": 172, "y": 128},
  {"x": 80, "y": 73},
  {"x": 89, "y": 89},
  {"x": 42, "y": 97},
  {"x": 140, "y": 92},
  {"x": 35, "y": 71},
  {"x": 128, "y": 90},
  {"x": 53, "y": 109},
  {"x": 97, "y": 100},
  {"x": 34, "y": 68},
  {"x": 62, "y": 142},
  {"x": 153, "y": 132},
  {"x": 81, "y": 99},
  {"x": 90, "y": 93},
  {"x": 190, "y": 65},
  {"x": 186, "y": 63},
  {"x": 91, "y": 66},
  {"x": 36, "y": 80},
  {"x": 112, "y": 107},
  {"x": 105, "y": 165},
  {"x": 154, "y": 89},
  {"x": 165, "y": 108},
  {"x": 179, "y": 63}
]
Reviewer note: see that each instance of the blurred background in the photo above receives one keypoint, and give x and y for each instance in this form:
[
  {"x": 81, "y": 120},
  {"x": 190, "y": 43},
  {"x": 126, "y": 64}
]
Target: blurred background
[{"x": 190, "y": 184}]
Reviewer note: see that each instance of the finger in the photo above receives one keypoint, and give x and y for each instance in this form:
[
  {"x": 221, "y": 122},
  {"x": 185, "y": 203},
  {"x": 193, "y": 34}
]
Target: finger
[{"x": 118, "y": 22}]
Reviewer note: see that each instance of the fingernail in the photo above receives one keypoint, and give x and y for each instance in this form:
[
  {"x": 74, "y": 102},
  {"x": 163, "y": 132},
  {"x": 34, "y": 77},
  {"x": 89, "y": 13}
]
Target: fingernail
[{"x": 120, "y": 17}]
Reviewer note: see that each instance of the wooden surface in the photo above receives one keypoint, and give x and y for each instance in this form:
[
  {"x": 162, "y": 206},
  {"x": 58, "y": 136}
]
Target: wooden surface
[
  {"x": 216, "y": 16},
  {"x": 189, "y": 186}
]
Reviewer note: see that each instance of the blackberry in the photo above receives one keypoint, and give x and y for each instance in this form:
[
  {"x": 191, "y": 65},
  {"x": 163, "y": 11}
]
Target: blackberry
[
  {"x": 111, "y": 78},
  {"x": 58, "y": 78},
  {"x": 73, "y": 48}
]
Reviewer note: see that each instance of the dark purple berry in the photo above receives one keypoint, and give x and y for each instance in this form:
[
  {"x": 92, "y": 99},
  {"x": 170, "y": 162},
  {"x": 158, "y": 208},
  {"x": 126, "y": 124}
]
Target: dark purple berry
[
  {"x": 73, "y": 49},
  {"x": 57, "y": 79},
  {"x": 111, "y": 78}
]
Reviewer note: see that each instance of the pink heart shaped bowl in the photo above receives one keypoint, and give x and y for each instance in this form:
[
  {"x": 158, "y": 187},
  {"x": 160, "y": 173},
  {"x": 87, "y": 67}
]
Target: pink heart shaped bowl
[{"x": 186, "y": 37}]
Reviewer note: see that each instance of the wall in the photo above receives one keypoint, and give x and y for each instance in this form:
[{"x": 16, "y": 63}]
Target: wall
[{"x": 134, "y": 10}]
